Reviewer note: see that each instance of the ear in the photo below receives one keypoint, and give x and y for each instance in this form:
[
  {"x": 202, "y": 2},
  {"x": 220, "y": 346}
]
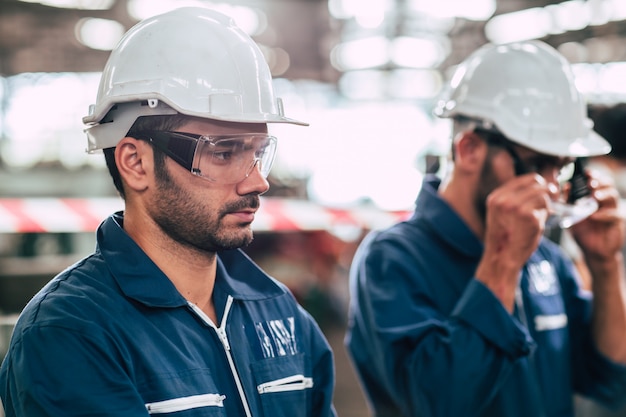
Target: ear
[
  {"x": 135, "y": 163},
  {"x": 470, "y": 152}
]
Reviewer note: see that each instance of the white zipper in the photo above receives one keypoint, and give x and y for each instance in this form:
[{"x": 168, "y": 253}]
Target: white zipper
[
  {"x": 221, "y": 333},
  {"x": 290, "y": 383},
  {"x": 185, "y": 403}
]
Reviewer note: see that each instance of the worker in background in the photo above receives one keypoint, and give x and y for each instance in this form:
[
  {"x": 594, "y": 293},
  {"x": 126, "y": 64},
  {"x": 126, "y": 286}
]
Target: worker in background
[
  {"x": 168, "y": 316},
  {"x": 466, "y": 309}
]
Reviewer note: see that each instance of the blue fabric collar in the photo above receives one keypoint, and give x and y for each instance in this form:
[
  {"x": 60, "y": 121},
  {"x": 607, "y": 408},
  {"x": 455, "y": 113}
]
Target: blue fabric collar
[
  {"x": 140, "y": 279},
  {"x": 443, "y": 220}
]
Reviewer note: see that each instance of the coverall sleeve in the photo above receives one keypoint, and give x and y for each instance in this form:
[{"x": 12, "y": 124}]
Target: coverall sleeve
[
  {"x": 58, "y": 372},
  {"x": 440, "y": 351}
]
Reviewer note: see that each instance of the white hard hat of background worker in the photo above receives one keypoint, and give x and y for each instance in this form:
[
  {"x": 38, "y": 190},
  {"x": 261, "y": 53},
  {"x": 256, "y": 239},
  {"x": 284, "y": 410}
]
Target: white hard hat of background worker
[
  {"x": 194, "y": 61},
  {"x": 525, "y": 91}
]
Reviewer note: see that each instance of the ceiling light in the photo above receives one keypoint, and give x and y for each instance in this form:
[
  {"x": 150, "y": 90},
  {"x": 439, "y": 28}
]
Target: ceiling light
[
  {"x": 611, "y": 78},
  {"x": 373, "y": 15},
  {"x": 586, "y": 78},
  {"x": 360, "y": 54},
  {"x": 251, "y": 21},
  {"x": 600, "y": 12},
  {"x": 480, "y": 10},
  {"x": 370, "y": 16},
  {"x": 570, "y": 15},
  {"x": 618, "y": 9},
  {"x": 101, "y": 34},
  {"x": 526, "y": 24},
  {"x": 143, "y": 9},
  {"x": 413, "y": 52},
  {"x": 414, "y": 83},
  {"x": 363, "y": 85},
  {"x": 75, "y": 4}
]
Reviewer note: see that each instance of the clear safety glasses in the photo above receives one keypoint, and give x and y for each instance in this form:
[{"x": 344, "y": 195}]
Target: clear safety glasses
[
  {"x": 538, "y": 163},
  {"x": 227, "y": 159},
  {"x": 569, "y": 209}
]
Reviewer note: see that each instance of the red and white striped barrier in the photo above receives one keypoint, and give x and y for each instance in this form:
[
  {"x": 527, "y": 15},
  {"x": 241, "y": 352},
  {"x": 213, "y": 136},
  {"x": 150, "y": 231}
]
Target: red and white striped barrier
[{"x": 71, "y": 215}]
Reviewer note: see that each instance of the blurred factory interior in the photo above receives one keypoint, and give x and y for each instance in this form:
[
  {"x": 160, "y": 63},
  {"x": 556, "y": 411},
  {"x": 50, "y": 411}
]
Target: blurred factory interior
[{"x": 364, "y": 73}]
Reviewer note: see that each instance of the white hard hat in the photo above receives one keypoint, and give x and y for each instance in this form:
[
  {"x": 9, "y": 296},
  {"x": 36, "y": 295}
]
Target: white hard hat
[
  {"x": 526, "y": 91},
  {"x": 193, "y": 61}
]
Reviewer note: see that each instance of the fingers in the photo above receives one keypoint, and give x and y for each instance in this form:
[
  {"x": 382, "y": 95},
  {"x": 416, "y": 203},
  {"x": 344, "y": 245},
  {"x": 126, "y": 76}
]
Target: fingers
[
  {"x": 526, "y": 195},
  {"x": 516, "y": 216},
  {"x": 601, "y": 235},
  {"x": 604, "y": 192},
  {"x": 608, "y": 215}
]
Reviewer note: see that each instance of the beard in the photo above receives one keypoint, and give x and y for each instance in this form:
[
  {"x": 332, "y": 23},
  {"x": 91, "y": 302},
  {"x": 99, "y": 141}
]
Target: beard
[
  {"x": 188, "y": 220},
  {"x": 488, "y": 182}
]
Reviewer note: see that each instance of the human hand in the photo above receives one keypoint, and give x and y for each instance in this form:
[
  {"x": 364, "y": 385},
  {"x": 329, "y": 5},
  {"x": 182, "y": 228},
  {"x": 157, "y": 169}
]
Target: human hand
[
  {"x": 515, "y": 219},
  {"x": 516, "y": 215},
  {"x": 601, "y": 235}
]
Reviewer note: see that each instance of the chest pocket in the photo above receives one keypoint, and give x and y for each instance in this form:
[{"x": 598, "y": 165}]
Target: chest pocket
[
  {"x": 284, "y": 386},
  {"x": 188, "y": 393}
]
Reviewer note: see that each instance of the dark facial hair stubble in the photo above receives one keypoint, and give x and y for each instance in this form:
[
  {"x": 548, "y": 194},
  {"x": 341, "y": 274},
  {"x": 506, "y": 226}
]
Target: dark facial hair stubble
[
  {"x": 186, "y": 220},
  {"x": 487, "y": 184}
]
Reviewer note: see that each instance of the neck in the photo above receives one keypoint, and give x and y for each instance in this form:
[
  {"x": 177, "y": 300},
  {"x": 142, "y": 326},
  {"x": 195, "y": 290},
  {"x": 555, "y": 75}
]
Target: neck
[
  {"x": 192, "y": 271},
  {"x": 460, "y": 196}
]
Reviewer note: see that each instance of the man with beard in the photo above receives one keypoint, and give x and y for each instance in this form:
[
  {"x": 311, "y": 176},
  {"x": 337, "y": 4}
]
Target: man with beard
[
  {"x": 168, "y": 316},
  {"x": 466, "y": 309}
]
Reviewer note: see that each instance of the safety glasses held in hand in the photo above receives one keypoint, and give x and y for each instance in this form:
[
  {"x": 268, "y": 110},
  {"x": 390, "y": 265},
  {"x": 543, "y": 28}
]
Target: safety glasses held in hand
[
  {"x": 569, "y": 209},
  {"x": 226, "y": 159}
]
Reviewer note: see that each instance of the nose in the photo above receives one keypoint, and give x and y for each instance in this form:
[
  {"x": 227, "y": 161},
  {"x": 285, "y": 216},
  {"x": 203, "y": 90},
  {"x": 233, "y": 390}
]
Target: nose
[{"x": 254, "y": 182}]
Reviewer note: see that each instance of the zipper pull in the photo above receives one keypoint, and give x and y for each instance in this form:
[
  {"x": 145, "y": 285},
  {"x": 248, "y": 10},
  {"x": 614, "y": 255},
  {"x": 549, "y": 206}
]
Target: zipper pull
[
  {"x": 220, "y": 400},
  {"x": 224, "y": 339}
]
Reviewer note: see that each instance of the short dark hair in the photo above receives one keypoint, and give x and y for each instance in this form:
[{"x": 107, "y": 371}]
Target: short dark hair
[{"x": 167, "y": 122}]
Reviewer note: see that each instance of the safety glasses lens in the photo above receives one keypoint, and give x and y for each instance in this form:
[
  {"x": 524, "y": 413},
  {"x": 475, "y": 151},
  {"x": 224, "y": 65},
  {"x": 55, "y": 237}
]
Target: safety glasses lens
[{"x": 232, "y": 159}]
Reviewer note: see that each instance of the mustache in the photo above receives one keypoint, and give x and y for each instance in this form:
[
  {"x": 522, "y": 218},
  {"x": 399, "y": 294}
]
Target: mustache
[{"x": 247, "y": 202}]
